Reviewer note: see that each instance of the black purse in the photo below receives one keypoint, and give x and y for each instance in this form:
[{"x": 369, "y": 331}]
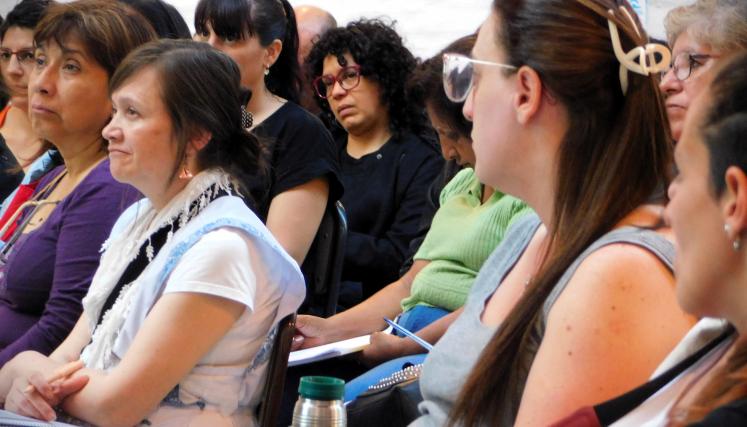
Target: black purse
[{"x": 391, "y": 402}]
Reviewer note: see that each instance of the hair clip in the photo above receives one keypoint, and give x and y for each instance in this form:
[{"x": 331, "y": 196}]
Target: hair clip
[{"x": 641, "y": 59}]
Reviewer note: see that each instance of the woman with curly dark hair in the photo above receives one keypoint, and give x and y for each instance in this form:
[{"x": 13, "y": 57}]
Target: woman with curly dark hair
[
  {"x": 262, "y": 38},
  {"x": 387, "y": 166}
]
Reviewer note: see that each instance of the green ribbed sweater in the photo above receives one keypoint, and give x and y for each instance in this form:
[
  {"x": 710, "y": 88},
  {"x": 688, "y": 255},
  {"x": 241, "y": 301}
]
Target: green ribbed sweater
[{"x": 463, "y": 234}]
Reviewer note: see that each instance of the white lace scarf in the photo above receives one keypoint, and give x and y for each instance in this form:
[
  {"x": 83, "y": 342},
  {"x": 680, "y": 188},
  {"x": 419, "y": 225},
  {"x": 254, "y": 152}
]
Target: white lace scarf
[{"x": 122, "y": 249}]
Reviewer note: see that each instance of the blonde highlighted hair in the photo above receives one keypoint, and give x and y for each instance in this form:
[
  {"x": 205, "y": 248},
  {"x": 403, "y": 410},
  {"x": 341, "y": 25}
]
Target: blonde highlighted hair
[{"x": 720, "y": 24}]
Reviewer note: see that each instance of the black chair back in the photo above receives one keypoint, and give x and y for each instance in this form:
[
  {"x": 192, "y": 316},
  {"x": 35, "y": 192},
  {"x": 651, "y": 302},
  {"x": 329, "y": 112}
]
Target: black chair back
[
  {"x": 326, "y": 257},
  {"x": 276, "y": 370}
]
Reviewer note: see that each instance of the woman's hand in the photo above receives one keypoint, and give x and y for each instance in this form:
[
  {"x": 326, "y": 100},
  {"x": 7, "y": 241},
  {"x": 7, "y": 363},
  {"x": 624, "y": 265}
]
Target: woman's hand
[
  {"x": 36, "y": 395},
  {"x": 312, "y": 331},
  {"x": 383, "y": 347}
]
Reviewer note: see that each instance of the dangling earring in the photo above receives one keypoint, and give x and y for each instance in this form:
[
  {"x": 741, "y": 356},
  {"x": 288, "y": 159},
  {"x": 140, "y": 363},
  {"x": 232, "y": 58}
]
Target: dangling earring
[
  {"x": 267, "y": 70},
  {"x": 185, "y": 173},
  {"x": 736, "y": 244}
]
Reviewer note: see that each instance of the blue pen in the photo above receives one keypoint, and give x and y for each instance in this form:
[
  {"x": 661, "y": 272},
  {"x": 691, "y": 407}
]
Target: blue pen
[{"x": 409, "y": 334}]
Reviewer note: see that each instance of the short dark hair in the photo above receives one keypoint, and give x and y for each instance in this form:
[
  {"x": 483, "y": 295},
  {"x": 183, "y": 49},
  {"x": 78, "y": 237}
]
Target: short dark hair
[
  {"x": 165, "y": 19},
  {"x": 426, "y": 87},
  {"x": 25, "y": 14},
  {"x": 201, "y": 88},
  {"x": 108, "y": 30},
  {"x": 268, "y": 20},
  {"x": 382, "y": 56}
]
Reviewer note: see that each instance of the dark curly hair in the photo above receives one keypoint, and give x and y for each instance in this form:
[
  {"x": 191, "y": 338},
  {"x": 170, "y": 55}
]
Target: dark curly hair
[
  {"x": 425, "y": 87},
  {"x": 383, "y": 58}
]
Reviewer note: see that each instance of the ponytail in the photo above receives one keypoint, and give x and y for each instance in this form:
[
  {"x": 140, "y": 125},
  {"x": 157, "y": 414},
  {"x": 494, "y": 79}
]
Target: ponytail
[{"x": 284, "y": 79}]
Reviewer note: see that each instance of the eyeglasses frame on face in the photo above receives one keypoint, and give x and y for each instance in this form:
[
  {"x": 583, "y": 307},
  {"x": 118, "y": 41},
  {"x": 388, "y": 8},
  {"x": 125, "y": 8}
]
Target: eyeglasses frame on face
[
  {"x": 446, "y": 73},
  {"x": 6, "y": 55},
  {"x": 691, "y": 59},
  {"x": 337, "y": 80}
]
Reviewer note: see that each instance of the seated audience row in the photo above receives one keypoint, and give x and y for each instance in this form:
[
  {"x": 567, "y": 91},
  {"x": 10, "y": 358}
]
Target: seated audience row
[
  {"x": 189, "y": 257},
  {"x": 539, "y": 305}
]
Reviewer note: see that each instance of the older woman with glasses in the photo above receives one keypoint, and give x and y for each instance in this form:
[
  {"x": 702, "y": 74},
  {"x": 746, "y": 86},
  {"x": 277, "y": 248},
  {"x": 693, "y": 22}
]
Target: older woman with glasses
[
  {"x": 701, "y": 35},
  {"x": 387, "y": 166}
]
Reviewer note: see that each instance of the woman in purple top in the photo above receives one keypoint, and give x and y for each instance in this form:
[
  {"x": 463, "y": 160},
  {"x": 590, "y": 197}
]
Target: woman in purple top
[{"x": 48, "y": 264}]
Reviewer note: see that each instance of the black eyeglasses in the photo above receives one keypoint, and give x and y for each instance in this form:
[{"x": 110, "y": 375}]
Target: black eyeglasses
[
  {"x": 348, "y": 78},
  {"x": 24, "y": 56},
  {"x": 684, "y": 64}
]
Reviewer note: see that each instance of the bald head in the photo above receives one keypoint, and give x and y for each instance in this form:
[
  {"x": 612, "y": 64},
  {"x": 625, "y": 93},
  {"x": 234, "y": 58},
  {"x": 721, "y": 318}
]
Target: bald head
[{"x": 312, "y": 23}]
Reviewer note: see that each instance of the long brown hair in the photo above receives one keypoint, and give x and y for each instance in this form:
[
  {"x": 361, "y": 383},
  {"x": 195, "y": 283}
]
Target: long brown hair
[
  {"x": 615, "y": 154},
  {"x": 724, "y": 131}
]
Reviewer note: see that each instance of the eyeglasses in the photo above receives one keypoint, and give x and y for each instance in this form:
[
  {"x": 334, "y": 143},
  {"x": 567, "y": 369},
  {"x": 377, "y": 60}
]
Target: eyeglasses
[
  {"x": 24, "y": 56},
  {"x": 349, "y": 78},
  {"x": 458, "y": 75},
  {"x": 684, "y": 63}
]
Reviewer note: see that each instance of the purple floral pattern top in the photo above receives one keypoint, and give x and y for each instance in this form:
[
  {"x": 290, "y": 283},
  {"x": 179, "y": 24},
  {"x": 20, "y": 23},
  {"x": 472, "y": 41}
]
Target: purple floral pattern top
[{"x": 49, "y": 269}]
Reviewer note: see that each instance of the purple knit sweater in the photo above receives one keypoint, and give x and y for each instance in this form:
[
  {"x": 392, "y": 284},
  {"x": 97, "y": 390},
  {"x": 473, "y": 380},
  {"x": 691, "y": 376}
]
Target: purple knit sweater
[{"x": 49, "y": 269}]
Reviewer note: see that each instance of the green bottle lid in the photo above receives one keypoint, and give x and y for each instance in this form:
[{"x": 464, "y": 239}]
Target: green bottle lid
[{"x": 322, "y": 388}]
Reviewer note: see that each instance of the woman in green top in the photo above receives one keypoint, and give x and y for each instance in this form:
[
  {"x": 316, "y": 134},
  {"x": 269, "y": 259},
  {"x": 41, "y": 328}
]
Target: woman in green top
[{"x": 469, "y": 224}]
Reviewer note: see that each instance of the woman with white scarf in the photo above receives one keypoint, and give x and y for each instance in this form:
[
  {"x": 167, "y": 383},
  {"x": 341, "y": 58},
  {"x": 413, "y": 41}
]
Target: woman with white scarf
[{"x": 178, "y": 323}]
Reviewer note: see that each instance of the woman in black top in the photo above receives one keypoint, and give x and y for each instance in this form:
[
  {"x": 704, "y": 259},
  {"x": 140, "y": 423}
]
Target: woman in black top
[
  {"x": 261, "y": 36},
  {"x": 387, "y": 166}
]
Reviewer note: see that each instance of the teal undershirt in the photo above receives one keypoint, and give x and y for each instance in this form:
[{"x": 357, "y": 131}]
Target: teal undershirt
[{"x": 463, "y": 234}]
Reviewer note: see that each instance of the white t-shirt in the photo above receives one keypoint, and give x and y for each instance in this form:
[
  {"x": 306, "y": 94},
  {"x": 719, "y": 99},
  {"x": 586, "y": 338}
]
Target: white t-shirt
[{"x": 224, "y": 263}]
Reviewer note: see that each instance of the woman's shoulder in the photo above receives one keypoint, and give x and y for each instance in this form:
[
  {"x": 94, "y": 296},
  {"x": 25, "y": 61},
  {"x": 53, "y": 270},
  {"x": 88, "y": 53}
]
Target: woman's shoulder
[
  {"x": 461, "y": 183},
  {"x": 416, "y": 143},
  {"x": 293, "y": 117}
]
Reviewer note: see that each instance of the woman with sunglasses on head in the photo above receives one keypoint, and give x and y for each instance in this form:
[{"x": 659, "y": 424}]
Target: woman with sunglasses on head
[
  {"x": 30, "y": 156},
  {"x": 203, "y": 282},
  {"x": 700, "y": 35},
  {"x": 387, "y": 166},
  {"x": 261, "y": 36},
  {"x": 49, "y": 261},
  {"x": 577, "y": 129}
]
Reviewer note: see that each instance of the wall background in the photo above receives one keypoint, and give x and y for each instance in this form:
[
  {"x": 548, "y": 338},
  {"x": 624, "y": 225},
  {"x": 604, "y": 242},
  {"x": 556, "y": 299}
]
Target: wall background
[{"x": 426, "y": 25}]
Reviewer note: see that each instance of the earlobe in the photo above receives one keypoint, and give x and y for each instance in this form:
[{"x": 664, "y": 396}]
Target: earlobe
[
  {"x": 198, "y": 142},
  {"x": 529, "y": 94},
  {"x": 272, "y": 52},
  {"x": 734, "y": 200}
]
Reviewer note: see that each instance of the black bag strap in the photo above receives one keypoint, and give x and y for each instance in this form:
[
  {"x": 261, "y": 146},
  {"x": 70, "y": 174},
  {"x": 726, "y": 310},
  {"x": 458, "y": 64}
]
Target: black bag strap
[{"x": 614, "y": 409}]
